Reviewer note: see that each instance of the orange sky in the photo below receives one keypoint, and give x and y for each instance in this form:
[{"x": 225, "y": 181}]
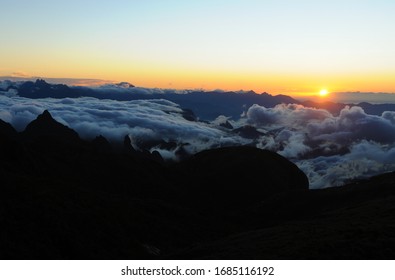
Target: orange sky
[{"x": 281, "y": 47}]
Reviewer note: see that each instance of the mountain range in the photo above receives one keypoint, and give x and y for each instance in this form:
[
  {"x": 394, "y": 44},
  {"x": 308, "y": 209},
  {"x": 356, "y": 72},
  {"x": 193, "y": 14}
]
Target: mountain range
[
  {"x": 207, "y": 105},
  {"x": 68, "y": 198}
]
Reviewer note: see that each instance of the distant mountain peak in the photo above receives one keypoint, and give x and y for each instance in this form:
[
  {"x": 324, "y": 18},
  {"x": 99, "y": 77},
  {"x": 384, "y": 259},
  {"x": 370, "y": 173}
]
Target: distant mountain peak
[
  {"x": 125, "y": 85},
  {"x": 41, "y": 82}
]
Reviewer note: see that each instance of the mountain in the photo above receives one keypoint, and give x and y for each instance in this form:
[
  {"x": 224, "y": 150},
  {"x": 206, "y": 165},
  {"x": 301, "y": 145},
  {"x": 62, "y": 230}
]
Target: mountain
[
  {"x": 41, "y": 89},
  {"x": 209, "y": 105},
  {"x": 205, "y": 105},
  {"x": 45, "y": 126},
  {"x": 75, "y": 199}
]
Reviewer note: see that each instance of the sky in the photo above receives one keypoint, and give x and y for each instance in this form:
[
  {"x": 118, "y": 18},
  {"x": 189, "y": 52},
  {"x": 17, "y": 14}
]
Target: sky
[{"x": 280, "y": 46}]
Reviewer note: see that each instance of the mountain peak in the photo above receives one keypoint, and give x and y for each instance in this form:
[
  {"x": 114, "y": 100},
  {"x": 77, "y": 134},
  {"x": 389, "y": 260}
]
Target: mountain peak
[
  {"x": 46, "y": 126},
  {"x": 125, "y": 85},
  {"x": 40, "y": 82},
  {"x": 46, "y": 115}
]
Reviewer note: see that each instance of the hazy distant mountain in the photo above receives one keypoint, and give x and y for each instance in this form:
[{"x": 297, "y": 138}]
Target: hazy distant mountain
[
  {"x": 41, "y": 89},
  {"x": 206, "y": 105},
  {"x": 209, "y": 105}
]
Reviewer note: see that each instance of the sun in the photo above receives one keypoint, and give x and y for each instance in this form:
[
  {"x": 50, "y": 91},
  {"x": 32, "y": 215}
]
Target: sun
[{"x": 323, "y": 92}]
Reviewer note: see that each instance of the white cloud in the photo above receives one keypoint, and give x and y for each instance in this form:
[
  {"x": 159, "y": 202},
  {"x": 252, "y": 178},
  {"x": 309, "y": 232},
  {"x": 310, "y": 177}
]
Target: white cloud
[
  {"x": 141, "y": 119},
  {"x": 330, "y": 149}
]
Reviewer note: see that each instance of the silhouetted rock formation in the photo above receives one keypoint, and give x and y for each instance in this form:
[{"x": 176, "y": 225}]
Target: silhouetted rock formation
[{"x": 46, "y": 127}]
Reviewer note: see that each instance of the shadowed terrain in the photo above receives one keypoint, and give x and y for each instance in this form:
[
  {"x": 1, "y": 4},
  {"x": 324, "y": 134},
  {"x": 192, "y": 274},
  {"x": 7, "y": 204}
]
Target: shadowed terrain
[{"x": 66, "y": 198}]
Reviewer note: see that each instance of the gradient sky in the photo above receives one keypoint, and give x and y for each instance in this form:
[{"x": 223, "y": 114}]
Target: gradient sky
[{"x": 279, "y": 46}]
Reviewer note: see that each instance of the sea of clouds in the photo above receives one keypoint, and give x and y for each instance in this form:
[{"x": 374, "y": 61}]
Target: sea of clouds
[
  {"x": 142, "y": 120},
  {"x": 330, "y": 149}
]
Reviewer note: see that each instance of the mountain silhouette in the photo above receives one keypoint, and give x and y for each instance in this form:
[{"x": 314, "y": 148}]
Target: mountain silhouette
[
  {"x": 46, "y": 127},
  {"x": 67, "y": 198},
  {"x": 41, "y": 89}
]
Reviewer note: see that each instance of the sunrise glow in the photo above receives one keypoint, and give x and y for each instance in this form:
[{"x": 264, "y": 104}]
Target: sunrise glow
[{"x": 168, "y": 44}]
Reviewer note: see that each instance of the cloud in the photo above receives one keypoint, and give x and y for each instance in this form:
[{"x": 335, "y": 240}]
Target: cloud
[
  {"x": 331, "y": 149},
  {"x": 141, "y": 119},
  {"x": 365, "y": 159},
  {"x": 7, "y": 88},
  {"x": 112, "y": 90},
  {"x": 285, "y": 115},
  {"x": 20, "y": 74}
]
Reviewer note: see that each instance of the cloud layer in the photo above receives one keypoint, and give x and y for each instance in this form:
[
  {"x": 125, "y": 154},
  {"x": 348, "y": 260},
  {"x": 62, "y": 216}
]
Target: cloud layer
[
  {"x": 330, "y": 149},
  {"x": 143, "y": 120}
]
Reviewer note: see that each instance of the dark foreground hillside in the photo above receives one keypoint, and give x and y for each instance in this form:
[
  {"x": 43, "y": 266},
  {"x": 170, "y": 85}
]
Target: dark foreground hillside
[{"x": 65, "y": 198}]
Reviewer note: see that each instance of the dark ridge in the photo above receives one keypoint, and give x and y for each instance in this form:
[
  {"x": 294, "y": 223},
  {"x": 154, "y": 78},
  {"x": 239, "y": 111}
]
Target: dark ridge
[{"x": 41, "y": 89}]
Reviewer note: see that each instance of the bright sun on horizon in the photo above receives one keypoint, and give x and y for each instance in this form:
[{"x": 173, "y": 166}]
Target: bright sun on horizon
[{"x": 323, "y": 92}]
